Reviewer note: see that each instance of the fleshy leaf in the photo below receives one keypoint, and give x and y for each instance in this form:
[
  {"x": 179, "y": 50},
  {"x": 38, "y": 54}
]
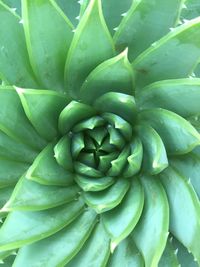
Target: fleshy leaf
[
  {"x": 14, "y": 4},
  {"x": 184, "y": 220},
  {"x": 150, "y": 234},
  {"x": 14, "y": 63},
  {"x": 169, "y": 258},
  {"x": 45, "y": 169},
  {"x": 177, "y": 134},
  {"x": 109, "y": 198},
  {"x": 166, "y": 94},
  {"x": 191, "y": 10},
  {"x": 23, "y": 227},
  {"x": 58, "y": 245},
  {"x": 71, "y": 9},
  {"x": 168, "y": 58},
  {"x": 5, "y": 194},
  {"x": 47, "y": 57},
  {"x": 114, "y": 74},
  {"x": 120, "y": 221},
  {"x": 79, "y": 61}
]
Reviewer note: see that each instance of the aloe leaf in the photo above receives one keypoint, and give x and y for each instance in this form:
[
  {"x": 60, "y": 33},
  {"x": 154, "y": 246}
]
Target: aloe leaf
[
  {"x": 95, "y": 251},
  {"x": 79, "y": 61},
  {"x": 109, "y": 198},
  {"x": 169, "y": 257},
  {"x": 150, "y": 234},
  {"x": 45, "y": 169},
  {"x": 10, "y": 171},
  {"x": 89, "y": 124},
  {"x": 184, "y": 222},
  {"x": 168, "y": 58},
  {"x": 6, "y": 254},
  {"x": 166, "y": 94},
  {"x": 141, "y": 23},
  {"x": 73, "y": 113},
  {"x": 12, "y": 115},
  {"x": 154, "y": 156},
  {"x": 126, "y": 254},
  {"x": 120, "y": 104},
  {"x": 191, "y": 10},
  {"x": 29, "y": 195},
  {"x": 8, "y": 261},
  {"x": 177, "y": 134},
  {"x": 14, "y": 4},
  {"x": 5, "y": 194},
  {"x": 114, "y": 74},
  {"x": 77, "y": 144},
  {"x": 47, "y": 57},
  {"x": 83, "y": 169},
  {"x": 71, "y": 9},
  {"x": 120, "y": 222},
  {"x": 23, "y": 227},
  {"x": 115, "y": 137},
  {"x": 93, "y": 184},
  {"x": 58, "y": 245},
  {"x": 14, "y": 63}
]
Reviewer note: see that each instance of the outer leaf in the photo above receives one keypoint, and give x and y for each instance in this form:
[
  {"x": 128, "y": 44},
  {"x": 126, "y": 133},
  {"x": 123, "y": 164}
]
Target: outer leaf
[
  {"x": 22, "y": 227},
  {"x": 120, "y": 221},
  {"x": 58, "y": 245},
  {"x": 178, "y": 135},
  {"x": 42, "y": 108},
  {"x": 79, "y": 61},
  {"x": 168, "y": 58},
  {"x": 169, "y": 258},
  {"x": 166, "y": 94},
  {"x": 47, "y": 57},
  {"x": 141, "y": 23},
  {"x": 95, "y": 251},
  {"x": 150, "y": 234},
  {"x": 14, "y": 64},
  {"x": 184, "y": 222},
  {"x": 114, "y": 74}
]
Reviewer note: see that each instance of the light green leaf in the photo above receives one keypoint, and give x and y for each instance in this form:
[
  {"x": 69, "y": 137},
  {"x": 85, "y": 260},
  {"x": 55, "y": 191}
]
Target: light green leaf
[
  {"x": 154, "y": 156},
  {"x": 42, "y": 107},
  {"x": 166, "y": 94},
  {"x": 45, "y": 169},
  {"x": 184, "y": 210},
  {"x": 83, "y": 169},
  {"x": 168, "y": 58},
  {"x": 5, "y": 194},
  {"x": 25, "y": 227},
  {"x": 29, "y": 195},
  {"x": 71, "y": 9},
  {"x": 62, "y": 246},
  {"x": 14, "y": 4},
  {"x": 177, "y": 134},
  {"x": 147, "y": 21},
  {"x": 95, "y": 251},
  {"x": 47, "y": 57},
  {"x": 114, "y": 74},
  {"x": 150, "y": 234},
  {"x": 79, "y": 61},
  {"x": 109, "y": 198},
  {"x": 120, "y": 222},
  {"x": 14, "y": 63},
  {"x": 169, "y": 258}
]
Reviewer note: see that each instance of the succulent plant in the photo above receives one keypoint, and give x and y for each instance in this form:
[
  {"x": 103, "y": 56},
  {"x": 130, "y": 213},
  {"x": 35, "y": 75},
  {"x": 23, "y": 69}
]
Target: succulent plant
[{"x": 100, "y": 133}]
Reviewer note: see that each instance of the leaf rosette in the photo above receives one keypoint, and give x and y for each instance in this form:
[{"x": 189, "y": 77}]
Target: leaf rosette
[{"x": 99, "y": 134}]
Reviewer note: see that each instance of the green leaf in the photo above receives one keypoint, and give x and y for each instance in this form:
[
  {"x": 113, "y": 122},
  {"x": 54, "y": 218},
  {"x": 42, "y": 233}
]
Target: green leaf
[
  {"x": 45, "y": 169},
  {"x": 42, "y": 107},
  {"x": 14, "y": 4},
  {"x": 166, "y": 94},
  {"x": 84, "y": 54},
  {"x": 93, "y": 184},
  {"x": 89, "y": 124},
  {"x": 127, "y": 255},
  {"x": 169, "y": 258},
  {"x": 168, "y": 58},
  {"x": 25, "y": 227},
  {"x": 150, "y": 234},
  {"x": 72, "y": 114},
  {"x": 191, "y": 10},
  {"x": 47, "y": 57},
  {"x": 83, "y": 169},
  {"x": 14, "y": 122},
  {"x": 58, "y": 245},
  {"x": 154, "y": 156},
  {"x": 71, "y": 9},
  {"x": 8, "y": 261},
  {"x": 120, "y": 104},
  {"x": 108, "y": 199},
  {"x": 184, "y": 210},
  {"x": 14, "y": 63},
  {"x": 120, "y": 222},
  {"x": 114, "y": 74},
  {"x": 95, "y": 251},
  {"x": 5, "y": 194},
  {"x": 141, "y": 23},
  {"x": 29, "y": 195},
  {"x": 177, "y": 134}
]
